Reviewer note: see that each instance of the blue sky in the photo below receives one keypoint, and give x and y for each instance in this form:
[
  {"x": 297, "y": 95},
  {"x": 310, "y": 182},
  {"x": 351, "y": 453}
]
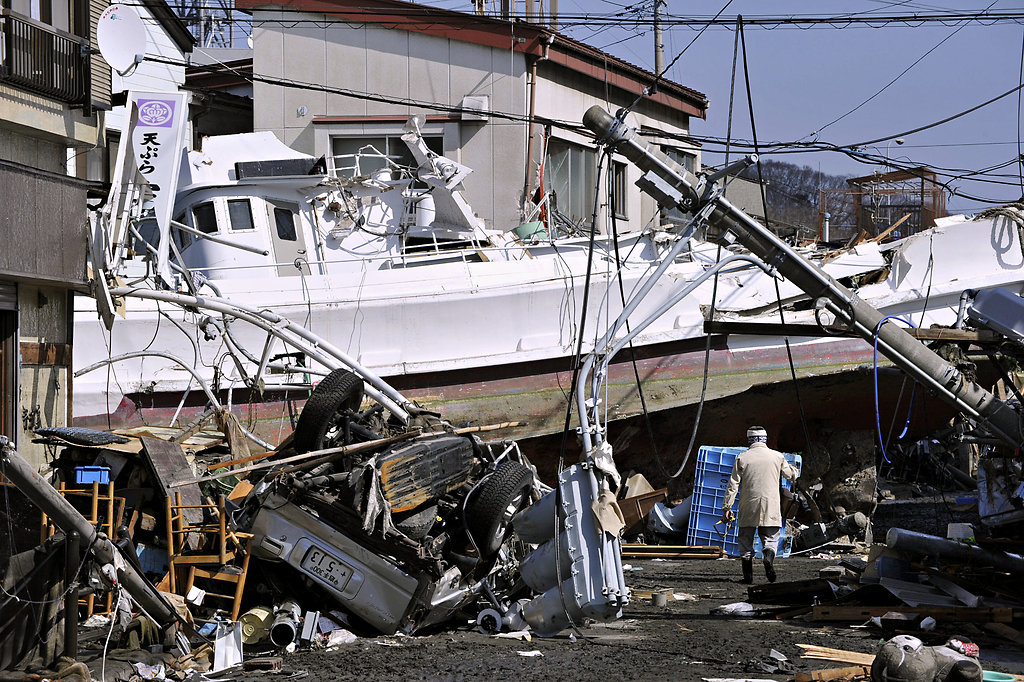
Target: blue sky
[{"x": 802, "y": 79}]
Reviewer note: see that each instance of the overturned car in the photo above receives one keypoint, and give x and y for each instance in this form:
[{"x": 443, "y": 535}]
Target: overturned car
[{"x": 406, "y": 527}]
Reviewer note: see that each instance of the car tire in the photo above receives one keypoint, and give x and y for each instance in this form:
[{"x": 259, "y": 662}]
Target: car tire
[
  {"x": 318, "y": 427},
  {"x": 489, "y": 513},
  {"x": 416, "y": 524}
]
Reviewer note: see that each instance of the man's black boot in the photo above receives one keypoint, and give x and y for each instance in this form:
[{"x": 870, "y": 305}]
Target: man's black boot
[
  {"x": 748, "y": 571},
  {"x": 769, "y": 568}
]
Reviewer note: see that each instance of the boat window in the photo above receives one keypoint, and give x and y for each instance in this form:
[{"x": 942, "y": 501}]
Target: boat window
[
  {"x": 204, "y": 217},
  {"x": 285, "y": 221},
  {"x": 183, "y": 238},
  {"x": 240, "y": 215}
]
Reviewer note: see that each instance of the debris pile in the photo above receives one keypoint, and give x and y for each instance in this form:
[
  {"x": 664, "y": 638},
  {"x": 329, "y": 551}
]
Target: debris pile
[{"x": 358, "y": 525}]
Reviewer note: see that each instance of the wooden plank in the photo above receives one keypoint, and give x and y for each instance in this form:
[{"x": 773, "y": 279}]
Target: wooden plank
[
  {"x": 955, "y": 613},
  {"x": 168, "y": 464},
  {"x": 45, "y": 353},
  {"x": 823, "y": 653},
  {"x": 854, "y": 672},
  {"x": 889, "y": 230}
]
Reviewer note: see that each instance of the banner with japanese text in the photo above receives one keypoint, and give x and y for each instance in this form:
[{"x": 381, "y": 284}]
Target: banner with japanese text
[{"x": 158, "y": 142}]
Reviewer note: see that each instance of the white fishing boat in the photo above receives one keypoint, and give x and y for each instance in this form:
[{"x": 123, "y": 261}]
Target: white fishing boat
[{"x": 393, "y": 268}]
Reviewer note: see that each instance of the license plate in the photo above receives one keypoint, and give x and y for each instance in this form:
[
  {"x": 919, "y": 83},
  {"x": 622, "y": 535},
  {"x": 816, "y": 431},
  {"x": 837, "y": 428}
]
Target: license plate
[{"x": 330, "y": 569}]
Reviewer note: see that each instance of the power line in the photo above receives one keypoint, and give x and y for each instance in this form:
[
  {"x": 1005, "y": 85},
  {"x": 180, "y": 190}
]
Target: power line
[{"x": 384, "y": 15}]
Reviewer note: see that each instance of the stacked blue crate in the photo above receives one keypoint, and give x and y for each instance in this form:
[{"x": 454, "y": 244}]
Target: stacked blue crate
[{"x": 714, "y": 467}]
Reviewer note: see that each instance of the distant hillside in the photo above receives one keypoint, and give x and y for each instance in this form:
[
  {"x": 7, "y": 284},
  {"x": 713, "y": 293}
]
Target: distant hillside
[{"x": 793, "y": 196}]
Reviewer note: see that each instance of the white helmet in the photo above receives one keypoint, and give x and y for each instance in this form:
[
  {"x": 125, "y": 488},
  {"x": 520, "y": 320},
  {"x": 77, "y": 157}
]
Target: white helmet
[{"x": 757, "y": 434}]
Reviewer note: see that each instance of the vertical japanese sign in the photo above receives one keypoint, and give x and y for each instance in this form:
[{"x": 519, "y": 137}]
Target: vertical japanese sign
[{"x": 158, "y": 142}]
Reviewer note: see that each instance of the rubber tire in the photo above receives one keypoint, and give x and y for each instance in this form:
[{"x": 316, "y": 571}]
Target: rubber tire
[
  {"x": 488, "y": 513},
  {"x": 340, "y": 391},
  {"x": 417, "y": 523}
]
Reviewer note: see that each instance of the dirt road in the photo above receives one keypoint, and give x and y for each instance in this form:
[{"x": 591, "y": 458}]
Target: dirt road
[{"x": 680, "y": 641}]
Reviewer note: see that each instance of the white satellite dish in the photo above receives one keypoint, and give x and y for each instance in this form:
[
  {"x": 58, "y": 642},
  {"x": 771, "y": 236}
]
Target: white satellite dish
[{"x": 122, "y": 38}]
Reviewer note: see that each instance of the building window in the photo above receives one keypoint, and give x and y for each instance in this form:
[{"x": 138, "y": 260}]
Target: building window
[
  {"x": 364, "y": 155},
  {"x": 687, "y": 160},
  {"x": 285, "y": 222},
  {"x": 204, "y": 217},
  {"x": 570, "y": 174},
  {"x": 620, "y": 185},
  {"x": 240, "y": 215}
]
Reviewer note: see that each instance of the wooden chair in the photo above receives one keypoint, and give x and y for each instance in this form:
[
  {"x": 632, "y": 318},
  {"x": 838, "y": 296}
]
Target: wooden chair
[
  {"x": 105, "y": 510},
  {"x": 220, "y": 575},
  {"x": 216, "y": 548}
]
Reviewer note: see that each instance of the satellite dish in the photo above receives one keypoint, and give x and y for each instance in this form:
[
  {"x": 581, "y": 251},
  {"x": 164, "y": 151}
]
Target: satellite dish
[{"x": 122, "y": 38}]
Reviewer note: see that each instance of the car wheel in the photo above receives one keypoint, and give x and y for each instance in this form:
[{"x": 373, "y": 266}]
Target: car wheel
[
  {"x": 321, "y": 422},
  {"x": 498, "y": 499}
]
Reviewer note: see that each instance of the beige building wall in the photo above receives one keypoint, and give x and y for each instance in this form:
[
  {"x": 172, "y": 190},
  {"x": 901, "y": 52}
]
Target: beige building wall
[
  {"x": 44, "y": 379},
  {"x": 403, "y": 66}
]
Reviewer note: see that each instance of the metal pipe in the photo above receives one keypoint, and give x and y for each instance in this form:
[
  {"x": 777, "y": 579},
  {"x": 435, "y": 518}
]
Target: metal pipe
[
  {"x": 67, "y": 518},
  {"x": 72, "y": 560},
  {"x": 294, "y": 335},
  {"x": 951, "y": 550},
  {"x": 903, "y": 349},
  {"x": 219, "y": 240},
  {"x": 286, "y": 623}
]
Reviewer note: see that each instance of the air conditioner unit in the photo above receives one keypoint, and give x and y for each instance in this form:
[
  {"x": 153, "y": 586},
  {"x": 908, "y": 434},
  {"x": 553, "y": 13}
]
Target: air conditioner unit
[{"x": 475, "y": 107}]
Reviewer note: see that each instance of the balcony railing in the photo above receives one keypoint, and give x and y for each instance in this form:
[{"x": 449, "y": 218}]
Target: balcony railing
[{"x": 42, "y": 59}]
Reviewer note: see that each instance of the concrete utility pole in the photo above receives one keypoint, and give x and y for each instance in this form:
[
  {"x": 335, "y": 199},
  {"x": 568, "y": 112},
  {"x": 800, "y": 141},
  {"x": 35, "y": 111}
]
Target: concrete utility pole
[{"x": 659, "y": 46}]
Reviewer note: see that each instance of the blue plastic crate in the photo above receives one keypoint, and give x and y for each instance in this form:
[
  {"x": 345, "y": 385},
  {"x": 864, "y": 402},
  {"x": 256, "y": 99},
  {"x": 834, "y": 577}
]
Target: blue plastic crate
[
  {"x": 152, "y": 559},
  {"x": 714, "y": 467},
  {"x": 92, "y": 475}
]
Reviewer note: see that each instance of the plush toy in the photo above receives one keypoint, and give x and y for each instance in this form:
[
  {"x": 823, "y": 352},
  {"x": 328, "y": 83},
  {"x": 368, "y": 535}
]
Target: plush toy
[{"x": 905, "y": 658}]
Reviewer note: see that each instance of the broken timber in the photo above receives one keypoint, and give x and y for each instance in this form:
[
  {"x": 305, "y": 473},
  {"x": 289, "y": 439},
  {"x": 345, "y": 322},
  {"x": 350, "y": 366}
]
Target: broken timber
[
  {"x": 637, "y": 551},
  {"x": 953, "y": 613}
]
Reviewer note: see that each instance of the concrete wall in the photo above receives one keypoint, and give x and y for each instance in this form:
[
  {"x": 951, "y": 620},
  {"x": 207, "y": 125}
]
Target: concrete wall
[
  {"x": 37, "y": 116},
  {"x": 408, "y": 67},
  {"x": 402, "y": 66},
  {"x": 45, "y": 375}
]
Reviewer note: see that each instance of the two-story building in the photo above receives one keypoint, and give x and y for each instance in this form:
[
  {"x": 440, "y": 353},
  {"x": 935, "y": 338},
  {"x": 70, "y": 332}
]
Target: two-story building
[
  {"x": 52, "y": 92},
  {"x": 332, "y": 76}
]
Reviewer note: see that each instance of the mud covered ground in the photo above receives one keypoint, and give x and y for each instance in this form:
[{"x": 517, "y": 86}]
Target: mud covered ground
[{"x": 680, "y": 641}]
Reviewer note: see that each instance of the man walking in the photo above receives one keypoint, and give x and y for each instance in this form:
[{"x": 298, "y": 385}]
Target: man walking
[{"x": 755, "y": 475}]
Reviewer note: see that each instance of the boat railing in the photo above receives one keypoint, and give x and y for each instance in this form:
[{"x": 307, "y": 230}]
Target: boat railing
[
  {"x": 387, "y": 261},
  {"x": 354, "y": 166}
]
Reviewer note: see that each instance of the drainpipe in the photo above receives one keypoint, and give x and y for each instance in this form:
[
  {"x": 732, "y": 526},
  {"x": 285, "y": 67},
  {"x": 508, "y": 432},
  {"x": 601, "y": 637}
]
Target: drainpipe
[{"x": 548, "y": 42}]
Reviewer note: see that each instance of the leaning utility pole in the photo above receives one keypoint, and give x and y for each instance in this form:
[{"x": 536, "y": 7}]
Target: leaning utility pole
[{"x": 659, "y": 46}]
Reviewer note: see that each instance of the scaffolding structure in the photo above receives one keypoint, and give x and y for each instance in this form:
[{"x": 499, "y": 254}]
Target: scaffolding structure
[{"x": 874, "y": 203}]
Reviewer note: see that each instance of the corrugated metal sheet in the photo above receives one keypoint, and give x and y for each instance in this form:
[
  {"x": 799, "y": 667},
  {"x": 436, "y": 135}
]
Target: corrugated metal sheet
[{"x": 8, "y": 296}]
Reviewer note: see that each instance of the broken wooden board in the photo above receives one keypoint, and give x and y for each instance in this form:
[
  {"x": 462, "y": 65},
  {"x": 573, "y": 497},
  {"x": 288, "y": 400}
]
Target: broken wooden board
[
  {"x": 168, "y": 464},
  {"x": 637, "y": 551},
  {"x": 854, "y": 614},
  {"x": 823, "y": 653},
  {"x": 854, "y": 672}
]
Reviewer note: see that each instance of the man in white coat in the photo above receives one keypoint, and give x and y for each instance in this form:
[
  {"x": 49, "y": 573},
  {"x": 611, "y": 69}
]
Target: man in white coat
[{"x": 756, "y": 476}]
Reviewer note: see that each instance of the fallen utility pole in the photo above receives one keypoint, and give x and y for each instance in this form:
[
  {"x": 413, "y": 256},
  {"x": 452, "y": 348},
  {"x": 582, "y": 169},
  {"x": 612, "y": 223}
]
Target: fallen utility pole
[
  {"x": 67, "y": 518},
  {"x": 674, "y": 187}
]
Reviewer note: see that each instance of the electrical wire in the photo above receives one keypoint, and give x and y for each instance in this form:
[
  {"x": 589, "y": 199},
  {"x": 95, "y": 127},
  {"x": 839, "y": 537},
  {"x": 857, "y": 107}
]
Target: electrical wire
[
  {"x": 898, "y": 76},
  {"x": 1020, "y": 156},
  {"x": 874, "y": 360}
]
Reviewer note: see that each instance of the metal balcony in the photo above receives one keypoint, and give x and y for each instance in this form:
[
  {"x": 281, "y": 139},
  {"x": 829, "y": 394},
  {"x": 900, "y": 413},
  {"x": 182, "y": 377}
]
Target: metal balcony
[{"x": 44, "y": 60}]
